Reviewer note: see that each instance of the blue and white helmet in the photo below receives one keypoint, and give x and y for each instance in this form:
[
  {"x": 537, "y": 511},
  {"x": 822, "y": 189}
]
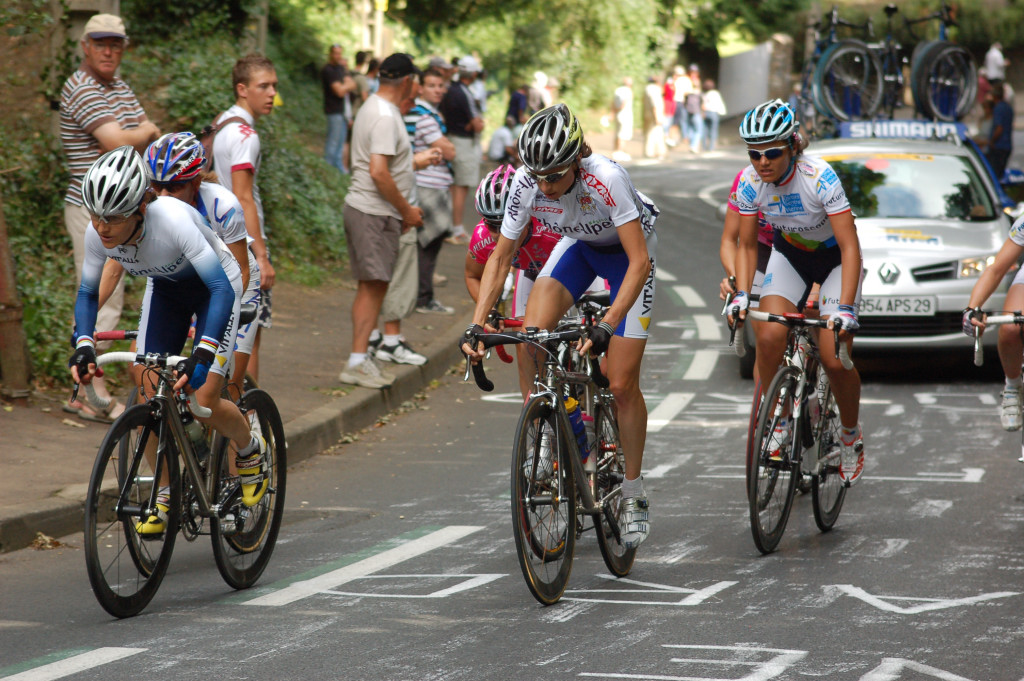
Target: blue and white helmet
[
  {"x": 175, "y": 157},
  {"x": 772, "y": 121}
]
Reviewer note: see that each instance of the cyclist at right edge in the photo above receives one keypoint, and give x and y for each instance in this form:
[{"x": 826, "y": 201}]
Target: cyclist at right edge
[
  {"x": 607, "y": 230},
  {"x": 815, "y": 242}
]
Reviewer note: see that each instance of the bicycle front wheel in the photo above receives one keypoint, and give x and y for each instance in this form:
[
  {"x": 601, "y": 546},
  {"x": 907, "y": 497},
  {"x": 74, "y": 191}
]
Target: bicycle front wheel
[
  {"x": 773, "y": 478},
  {"x": 244, "y": 537},
  {"x": 827, "y": 488},
  {"x": 611, "y": 470},
  {"x": 125, "y": 568},
  {"x": 543, "y": 502},
  {"x": 848, "y": 81}
]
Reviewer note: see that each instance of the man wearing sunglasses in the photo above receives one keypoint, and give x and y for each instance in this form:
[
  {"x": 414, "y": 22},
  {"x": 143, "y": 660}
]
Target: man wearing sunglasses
[
  {"x": 607, "y": 230},
  {"x": 815, "y": 242}
]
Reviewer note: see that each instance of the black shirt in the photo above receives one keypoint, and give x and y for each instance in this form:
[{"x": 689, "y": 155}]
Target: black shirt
[
  {"x": 457, "y": 111},
  {"x": 333, "y": 104}
]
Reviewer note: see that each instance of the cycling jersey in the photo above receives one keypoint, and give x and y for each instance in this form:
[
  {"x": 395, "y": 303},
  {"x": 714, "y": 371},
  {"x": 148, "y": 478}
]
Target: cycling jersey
[
  {"x": 601, "y": 199},
  {"x": 530, "y": 257},
  {"x": 174, "y": 246},
  {"x": 765, "y": 232},
  {"x": 799, "y": 207},
  {"x": 237, "y": 147}
]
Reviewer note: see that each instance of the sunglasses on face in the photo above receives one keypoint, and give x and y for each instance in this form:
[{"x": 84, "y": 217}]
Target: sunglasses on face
[
  {"x": 550, "y": 178},
  {"x": 771, "y": 154}
]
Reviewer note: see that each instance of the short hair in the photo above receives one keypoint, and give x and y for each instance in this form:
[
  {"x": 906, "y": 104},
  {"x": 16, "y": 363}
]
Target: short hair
[
  {"x": 373, "y": 65},
  {"x": 248, "y": 65},
  {"x": 432, "y": 72},
  {"x": 361, "y": 57}
]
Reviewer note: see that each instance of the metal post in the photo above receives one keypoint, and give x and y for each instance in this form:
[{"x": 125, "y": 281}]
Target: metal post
[{"x": 15, "y": 364}]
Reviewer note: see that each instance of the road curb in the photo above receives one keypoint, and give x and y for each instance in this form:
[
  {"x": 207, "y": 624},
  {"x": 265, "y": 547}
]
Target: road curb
[{"x": 306, "y": 436}]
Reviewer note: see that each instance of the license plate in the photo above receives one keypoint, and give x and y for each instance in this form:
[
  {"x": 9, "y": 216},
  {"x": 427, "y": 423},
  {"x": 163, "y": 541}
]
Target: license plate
[{"x": 912, "y": 306}]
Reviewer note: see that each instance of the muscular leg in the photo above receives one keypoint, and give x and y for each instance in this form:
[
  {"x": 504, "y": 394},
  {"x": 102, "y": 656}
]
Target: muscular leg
[
  {"x": 1011, "y": 347},
  {"x": 771, "y": 339},
  {"x": 547, "y": 303},
  {"x": 623, "y": 368},
  {"x": 365, "y": 310},
  {"x": 845, "y": 383}
]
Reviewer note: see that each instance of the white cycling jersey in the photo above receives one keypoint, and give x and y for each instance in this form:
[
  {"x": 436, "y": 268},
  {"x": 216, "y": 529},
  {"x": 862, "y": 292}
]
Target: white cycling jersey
[
  {"x": 799, "y": 206},
  {"x": 222, "y": 210},
  {"x": 602, "y": 199},
  {"x": 237, "y": 147}
]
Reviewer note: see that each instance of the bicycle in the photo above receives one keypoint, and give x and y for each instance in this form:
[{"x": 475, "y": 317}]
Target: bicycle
[
  {"x": 772, "y": 478},
  {"x": 995, "y": 320},
  {"x": 555, "y": 486},
  {"x": 140, "y": 453},
  {"x": 943, "y": 75},
  {"x": 892, "y": 61}
]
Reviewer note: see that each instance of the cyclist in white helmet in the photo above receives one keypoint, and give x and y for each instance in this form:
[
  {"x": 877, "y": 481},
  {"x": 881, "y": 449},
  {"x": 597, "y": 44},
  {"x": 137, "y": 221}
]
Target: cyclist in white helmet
[
  {"x": 815, "y": 242},
  {"x": 607, "y": 230}
]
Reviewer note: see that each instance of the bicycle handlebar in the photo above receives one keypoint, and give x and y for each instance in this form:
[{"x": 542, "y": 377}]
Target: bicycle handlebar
[
  {"x": 793, "y": 319},
  {"x": 538, "y": 337},
  {"x": 993, "y": 320},
  {"x": 149, "y": 360}
]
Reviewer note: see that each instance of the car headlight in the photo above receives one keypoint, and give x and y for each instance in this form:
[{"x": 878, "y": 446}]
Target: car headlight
[{"x": 971, "y": 268}]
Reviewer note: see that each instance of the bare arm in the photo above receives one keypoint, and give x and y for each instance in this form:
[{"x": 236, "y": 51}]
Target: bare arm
[
  {"x": 112, "y": 273},
  {"x": 849, "y": 248},
  {"x": 746, "y": 254},
  {"x": 111, "y": 135},
  {"x": 727, "y": 251},
  {"x": 241, "y": 184},
  {"x": 412, "y": 216},
  {"x": 240, "y": 249},
  {"x": 342, "y": 87},
  {"x": 446, "y": 147},
  {"x": 994, "y": 273},
  {"x": 473, "y": 273}
]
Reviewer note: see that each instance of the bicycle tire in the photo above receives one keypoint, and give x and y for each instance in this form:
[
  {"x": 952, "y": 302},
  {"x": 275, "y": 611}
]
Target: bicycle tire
[
  {"x": 611, "y": 470},
  {"x": 773, "y": 481},
  {"x": 947, "y": 82},
  {"x": 543, "y": 503},
  {"x": 124, "y": 569},
  {"x": 244, "y": 540},
  {"x": 755, "y": 407},
  {"x": 848, "y": 81},
  {"x": 827, "y": 488}
]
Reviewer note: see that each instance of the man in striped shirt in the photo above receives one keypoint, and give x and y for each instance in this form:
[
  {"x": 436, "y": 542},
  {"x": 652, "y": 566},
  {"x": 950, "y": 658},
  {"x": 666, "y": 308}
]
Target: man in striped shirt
[{"x": 98, "y": 113}]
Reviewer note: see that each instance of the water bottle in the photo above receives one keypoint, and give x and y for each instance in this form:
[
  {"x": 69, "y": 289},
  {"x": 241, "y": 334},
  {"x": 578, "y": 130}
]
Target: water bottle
[
  {"x": 198, "y": 436},
  {"x": 576, "y": 419}
]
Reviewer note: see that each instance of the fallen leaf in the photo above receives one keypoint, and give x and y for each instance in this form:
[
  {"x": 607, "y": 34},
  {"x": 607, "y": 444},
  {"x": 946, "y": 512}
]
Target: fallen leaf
[
  {"x": 44, "y": 542},
  {"x": 73, "y": 424}
]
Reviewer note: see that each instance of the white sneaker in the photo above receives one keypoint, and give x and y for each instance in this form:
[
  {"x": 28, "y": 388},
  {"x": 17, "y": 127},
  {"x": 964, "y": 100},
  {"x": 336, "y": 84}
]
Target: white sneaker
[
  {"x": 634, "y": 521},
  {"x": 435, "y": 306},
  {"x": 440, "y": 280},
  {"x": 400, "y": 353},
  {"x": 1010, "y": 415},
  {"x": 851, "y": 461},
  {"x": 778, "y": 442},
  {"x": 365, "y": 374}
]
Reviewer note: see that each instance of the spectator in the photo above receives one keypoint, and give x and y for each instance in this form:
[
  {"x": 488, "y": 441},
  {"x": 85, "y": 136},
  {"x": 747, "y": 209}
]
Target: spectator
[
  {"x": 538, "y": 96},
  {"x": 236, "y": 160},
  {"x": 714, "y": 109},
  {"x": 377, "y": 211},
  {"x": 462, "y": 115},
  {"x": 98, "y": 113},
  {"x": 995, "y": 64},
  {"x": 373, "y": 74},
  {"x": 985, "y": 123},
  {"x": 1001, "y": 141},
  {"x": 622, "y": 107},
  {"x": 362, "y": 89},
  {"x": 682, "y": 86},
  {"x": 669, "y": 101},
  {"x": 654, "y": 120},
  {"x": 694, "y": 112},
  {"x": 517, "y": 106},
  {"x": 426, "y": 128},
  {"x": 445, "y": 68},
  {"x": 502, "y": 148},
  {"x": 479, "y": 90},
  {"x": 337, "y": 83}
]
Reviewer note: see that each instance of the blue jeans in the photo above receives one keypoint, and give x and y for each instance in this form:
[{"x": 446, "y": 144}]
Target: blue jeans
[
  {"x": 337, "y": 133},
  {"x": 710, "y": 130},
  {"x": 694, "y": 129}
]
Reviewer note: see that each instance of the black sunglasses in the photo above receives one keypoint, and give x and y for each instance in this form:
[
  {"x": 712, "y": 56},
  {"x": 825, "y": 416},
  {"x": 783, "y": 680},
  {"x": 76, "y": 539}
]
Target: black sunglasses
[{"x": 770, "y": 154}]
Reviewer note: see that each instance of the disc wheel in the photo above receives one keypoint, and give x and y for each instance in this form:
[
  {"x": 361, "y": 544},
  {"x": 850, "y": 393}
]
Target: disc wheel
[
  {"x": 244, "y": 537},
  {"x": 611, "y": 470},
  {"x": 848, "y": 81},
  {"x": 827, "y": 489},
  {"x": 124, "y": 568},
  {"x": 773, "y": 479},
  {"x": 543, "y": 502}
]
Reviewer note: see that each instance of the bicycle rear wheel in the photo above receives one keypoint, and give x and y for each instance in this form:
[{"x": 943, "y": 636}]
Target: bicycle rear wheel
[
  {"x": 848, "y": 81},
  {"x": 611, "y": 470},
  {"x": 827, "y": 489},
  {"x": 947, "y": 82},
  {"x": 543, "y": 502},
  {"x": 773, "y": 480},
  {"x": 124, "y": 568},
  {"x": 244, "y": 537}
]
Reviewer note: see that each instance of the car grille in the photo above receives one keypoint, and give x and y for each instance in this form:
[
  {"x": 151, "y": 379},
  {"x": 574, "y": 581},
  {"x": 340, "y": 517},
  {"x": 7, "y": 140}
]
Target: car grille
[
  {"x": 935, "y": 325},
  {"x": 940, "y": 271}
]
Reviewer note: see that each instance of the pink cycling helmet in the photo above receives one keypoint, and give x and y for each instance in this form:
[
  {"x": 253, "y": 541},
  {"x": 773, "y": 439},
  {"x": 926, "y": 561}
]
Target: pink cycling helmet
[{"x": 492, "y": 194}]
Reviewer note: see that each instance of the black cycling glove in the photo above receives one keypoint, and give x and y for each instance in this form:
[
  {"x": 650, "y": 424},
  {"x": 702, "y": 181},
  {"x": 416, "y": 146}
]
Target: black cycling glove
[
  {"x": 196, "y": 367},
  {"x": 600, "y": 336},
  {"x": 83, "y": 356},
  {"x": 469, "y": 338}
]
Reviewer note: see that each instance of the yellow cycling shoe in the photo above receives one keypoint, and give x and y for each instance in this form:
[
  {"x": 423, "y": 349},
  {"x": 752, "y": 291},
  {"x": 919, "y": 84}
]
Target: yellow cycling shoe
[
  {"x": 252, "y": 472},
  {"x": 155, "y": 525}
]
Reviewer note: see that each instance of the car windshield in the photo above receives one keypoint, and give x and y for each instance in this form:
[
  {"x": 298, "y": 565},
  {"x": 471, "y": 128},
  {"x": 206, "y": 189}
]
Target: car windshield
[{"x": 907, "y": 185}]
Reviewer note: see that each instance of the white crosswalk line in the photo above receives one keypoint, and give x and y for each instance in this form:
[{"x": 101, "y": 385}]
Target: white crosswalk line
[
  {"x": 75, "y": 664},
  {"x": 663, "y": 414},
  {"x": 662, "y": 275},
  {"x": 690, "y": 296},
  {"x": 709, "y": 327}
]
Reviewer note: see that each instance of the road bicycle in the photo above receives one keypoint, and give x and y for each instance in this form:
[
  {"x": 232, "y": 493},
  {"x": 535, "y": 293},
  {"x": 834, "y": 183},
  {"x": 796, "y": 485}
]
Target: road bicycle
[
  {"x": 994, "y": 320},
  {"x": 801, "y": 392},
  {"x": 555, "y": 486},
  {"x": 892, "y": 61},
  {"x": 139, "y": 454},
  {"x": 943, "y": 75}
]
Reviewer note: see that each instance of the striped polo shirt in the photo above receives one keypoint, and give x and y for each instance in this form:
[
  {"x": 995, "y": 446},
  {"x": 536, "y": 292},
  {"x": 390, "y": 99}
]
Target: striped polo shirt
[{"x": 86, "y": 103}]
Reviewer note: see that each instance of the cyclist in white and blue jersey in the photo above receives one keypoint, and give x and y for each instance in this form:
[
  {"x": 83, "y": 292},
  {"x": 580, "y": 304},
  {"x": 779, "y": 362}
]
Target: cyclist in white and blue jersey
[
  {"x": 175, "y": 163},
  {"x": 815, "y": 241},
  {"x": 607, "y": 229},
  {"x": 191, "y": 272}
]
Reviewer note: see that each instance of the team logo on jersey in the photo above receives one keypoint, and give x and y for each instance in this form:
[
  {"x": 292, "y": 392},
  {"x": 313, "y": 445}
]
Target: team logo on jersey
[
  {"x": 749, "y": 194},
  {"x": 587, "y": 204},
  {"x": 807, "y": 169},
  {"x": 596, "y": 184}
]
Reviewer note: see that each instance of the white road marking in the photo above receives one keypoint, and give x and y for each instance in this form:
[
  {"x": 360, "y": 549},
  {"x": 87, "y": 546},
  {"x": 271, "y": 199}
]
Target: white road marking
[
  {"x": 705, "y": 193},
  {"x": 892, "y": 668},
  {"x": 972, "y": 475},
  {"x": 661, "y": 470},
  {"x": 75, "y": 664},
  {"x": 694, "y": 596},
  {"x": 667, "y": 410},
  {"x": 894, "y": 410},
  {"x": 690, "y": 296},
  {"x": 775, "y": 663},
  {"x": 702, "y": 366},
  {"x": 929, "y": 604},
  {"x": 709, "y": 327},
  {"x": 367, "y": 566},
  {"x": 661, "y": 275},
  {"x": 468, "y": 581}
]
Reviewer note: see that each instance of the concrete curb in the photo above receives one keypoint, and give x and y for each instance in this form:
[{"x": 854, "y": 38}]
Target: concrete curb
[{"x": 306, "y": 436}]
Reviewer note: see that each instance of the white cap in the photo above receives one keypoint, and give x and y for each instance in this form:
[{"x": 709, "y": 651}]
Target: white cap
[
  {"x": 469, "y": 64},
  {"x": 105, "y": 26}
]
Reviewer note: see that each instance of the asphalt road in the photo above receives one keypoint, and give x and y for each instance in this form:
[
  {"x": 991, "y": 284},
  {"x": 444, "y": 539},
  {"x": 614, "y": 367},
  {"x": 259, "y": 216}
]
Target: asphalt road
[{"x": 397, "y": 561}]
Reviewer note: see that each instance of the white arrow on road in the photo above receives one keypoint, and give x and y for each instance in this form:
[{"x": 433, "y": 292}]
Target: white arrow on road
[{"x": 927, "y": 604}]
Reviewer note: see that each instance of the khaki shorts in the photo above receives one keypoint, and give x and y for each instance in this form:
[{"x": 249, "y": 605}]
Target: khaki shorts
[
  {"x": 466, "y": 166},
  {"x": 372, "y": 244}
]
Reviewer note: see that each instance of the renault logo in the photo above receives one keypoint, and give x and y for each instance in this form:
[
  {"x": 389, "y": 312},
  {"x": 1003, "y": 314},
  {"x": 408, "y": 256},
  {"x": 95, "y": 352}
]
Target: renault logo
[{"x": 889, "y": 273}]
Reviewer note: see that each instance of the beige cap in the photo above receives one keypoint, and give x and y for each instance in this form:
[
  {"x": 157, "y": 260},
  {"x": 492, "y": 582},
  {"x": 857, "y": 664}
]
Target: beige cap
[{"x": 105, "y": 26}]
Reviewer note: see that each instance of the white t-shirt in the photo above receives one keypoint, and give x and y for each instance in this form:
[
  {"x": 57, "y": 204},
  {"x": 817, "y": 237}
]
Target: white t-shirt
[
  {"x": 995, "y": 64},
  {"x": 500, "y": 140},
  {"x": 237, "y": 147},
  {"x": 601, "y": 199},
  {"x": 800, "y": 205},
  {"x": 379, "y": 129}
]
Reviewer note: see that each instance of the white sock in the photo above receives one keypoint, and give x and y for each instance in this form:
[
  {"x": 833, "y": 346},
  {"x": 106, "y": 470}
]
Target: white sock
[
  {"x": 249, "y": 449},
  {"x": 392, "y": 340},
  {"x": 1015, "y": 383},
  {"x": 458, "y": 230},
  {"x": 355, "y": 359},
  {"x": 633, "y": 488},
  {"x": 375, "y": 335}
]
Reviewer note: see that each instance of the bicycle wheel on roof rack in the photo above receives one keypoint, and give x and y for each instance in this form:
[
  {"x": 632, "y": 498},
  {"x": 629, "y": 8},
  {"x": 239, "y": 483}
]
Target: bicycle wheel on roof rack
[
  {"x": 947, "y": 82},
  {"x": 848, "y": 81}
]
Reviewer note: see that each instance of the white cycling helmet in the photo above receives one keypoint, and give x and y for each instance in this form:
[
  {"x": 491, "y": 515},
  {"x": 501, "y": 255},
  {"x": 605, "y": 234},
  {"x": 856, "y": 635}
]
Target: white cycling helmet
[
  {"x": 772, "y": 121},
  {"x": 550, "y": 139},
  {"x": 115, "y": 184},
  {"x": 175, "y": 157},
  {"x": 492, "y": 194}
]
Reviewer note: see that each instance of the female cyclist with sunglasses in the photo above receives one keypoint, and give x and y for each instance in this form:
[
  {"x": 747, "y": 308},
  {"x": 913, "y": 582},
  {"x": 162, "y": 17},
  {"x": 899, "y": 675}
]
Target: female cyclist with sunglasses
[
  {"x": 607, "y": 230},
  {"x": 815, "y": 242}
]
